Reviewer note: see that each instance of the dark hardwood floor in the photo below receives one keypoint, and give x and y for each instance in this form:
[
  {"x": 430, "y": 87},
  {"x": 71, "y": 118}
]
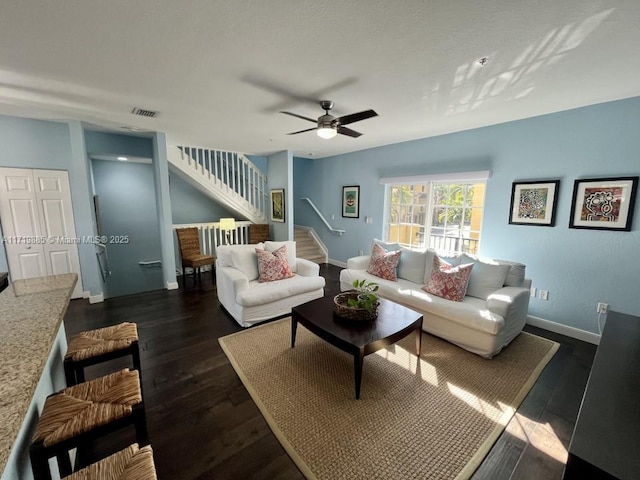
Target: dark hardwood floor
[{"x": 203, "y": 424}]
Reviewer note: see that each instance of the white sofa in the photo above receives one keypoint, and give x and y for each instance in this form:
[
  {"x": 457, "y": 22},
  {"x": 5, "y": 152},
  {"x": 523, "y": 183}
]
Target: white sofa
[
  {"x": 249, "y": 301},
  {"x": 490, "y": 316}
]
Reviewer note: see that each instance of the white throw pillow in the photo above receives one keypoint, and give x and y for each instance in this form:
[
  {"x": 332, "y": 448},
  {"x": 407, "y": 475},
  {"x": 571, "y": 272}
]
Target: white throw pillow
[
  {"x": 389, "y": 247},
  {"x": 412, "y": 264},
  {"x": 223, "y": 253},
  {"x": 428, "y": 265},
  {"x": 516, "y": 275},
  {"x": 246, "y": 261},
  {"x": 270, "y": 246},
  {"x": 487, "y": 276}
]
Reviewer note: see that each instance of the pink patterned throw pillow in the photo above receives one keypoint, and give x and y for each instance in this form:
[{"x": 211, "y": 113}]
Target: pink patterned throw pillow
[
  {"x": 383, "y": 264},
  {"x": 447, "y": 281},
  {"x": 273, "y": 266}
]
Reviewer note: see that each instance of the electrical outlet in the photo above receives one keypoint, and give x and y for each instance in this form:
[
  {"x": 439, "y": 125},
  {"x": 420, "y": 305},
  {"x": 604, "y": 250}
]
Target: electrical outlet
[
  {"x": 368, "y": 220},
  {"x": 333, "y": 217},
  {"x": 533, "y": 292},
  {"x": 602, "y": 307},
  {"x": 544, "y": 294},
  {"x": 360, "y": 252}
]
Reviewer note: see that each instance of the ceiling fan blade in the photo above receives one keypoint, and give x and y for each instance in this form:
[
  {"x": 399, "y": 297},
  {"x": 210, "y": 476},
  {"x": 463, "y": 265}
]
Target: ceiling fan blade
[
  {"x": 348, "y": 132},
  {"x": 301, "y": 131},
  {"x": 300, "y": 116},
  {"x": 356, "y": 117}
]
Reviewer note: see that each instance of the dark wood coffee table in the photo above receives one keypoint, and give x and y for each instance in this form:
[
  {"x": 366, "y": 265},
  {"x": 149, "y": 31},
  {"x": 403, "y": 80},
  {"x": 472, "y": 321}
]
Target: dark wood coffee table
[{"x": 359, "y": 338}]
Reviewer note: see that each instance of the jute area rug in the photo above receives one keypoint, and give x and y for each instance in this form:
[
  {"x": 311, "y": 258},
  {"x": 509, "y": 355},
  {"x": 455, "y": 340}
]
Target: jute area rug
[{"x": 433, "y": 417}]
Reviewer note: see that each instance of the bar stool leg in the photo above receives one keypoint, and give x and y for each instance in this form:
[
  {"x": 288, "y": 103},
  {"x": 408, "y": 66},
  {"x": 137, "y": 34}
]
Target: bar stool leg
[
  {"x": 39, "y": 462},
  {"x": 69, "y": 372},
  {"x": 140, "y": 421},
  {"x": 64, "y": 464},
  {"x": 135, "y": 353}
]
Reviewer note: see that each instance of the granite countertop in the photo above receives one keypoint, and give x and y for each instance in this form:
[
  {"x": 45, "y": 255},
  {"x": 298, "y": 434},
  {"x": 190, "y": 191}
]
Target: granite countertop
[{"x": 30, "y": 315}]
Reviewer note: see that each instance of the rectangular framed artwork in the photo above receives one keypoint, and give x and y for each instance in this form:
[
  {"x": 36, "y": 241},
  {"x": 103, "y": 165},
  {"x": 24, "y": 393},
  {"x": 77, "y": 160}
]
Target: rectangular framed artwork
[
  {"x": 603, "y": 203},
  {"x": 277, "y": 205},
  {"x": 351, "y": 201},
  {"x": 534, "y": 203}
]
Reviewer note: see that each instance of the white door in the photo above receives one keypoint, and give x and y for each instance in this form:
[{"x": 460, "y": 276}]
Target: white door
[{"x": 37, "y": 221}]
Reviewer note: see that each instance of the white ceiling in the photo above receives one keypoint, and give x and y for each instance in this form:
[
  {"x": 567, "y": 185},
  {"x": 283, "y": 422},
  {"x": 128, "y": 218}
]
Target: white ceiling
[{"x": 219, "y": 71}]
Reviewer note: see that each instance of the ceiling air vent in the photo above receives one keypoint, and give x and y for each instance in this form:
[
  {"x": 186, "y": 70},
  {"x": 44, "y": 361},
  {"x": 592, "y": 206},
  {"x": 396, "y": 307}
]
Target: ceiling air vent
[{"x": 144, "y": 113}]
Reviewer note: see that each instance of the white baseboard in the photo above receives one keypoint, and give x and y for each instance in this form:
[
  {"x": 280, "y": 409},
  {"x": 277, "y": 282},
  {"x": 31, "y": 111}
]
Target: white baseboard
[
  {"x": 572, "y": 332},
  {"x": 96, "y": 298},
  {"x": 172, "y": 285},
  {"x": 337, "y": 263},
  {"x": 86, "y": 294}
]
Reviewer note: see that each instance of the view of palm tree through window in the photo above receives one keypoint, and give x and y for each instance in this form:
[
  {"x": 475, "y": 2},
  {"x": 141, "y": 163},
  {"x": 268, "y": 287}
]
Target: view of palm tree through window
[{"x": 444, "y": 216}]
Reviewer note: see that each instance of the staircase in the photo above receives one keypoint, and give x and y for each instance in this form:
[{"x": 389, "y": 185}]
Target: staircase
[
  {"x": 307, "y": 247},
  {"x": 229, "y": 178}
]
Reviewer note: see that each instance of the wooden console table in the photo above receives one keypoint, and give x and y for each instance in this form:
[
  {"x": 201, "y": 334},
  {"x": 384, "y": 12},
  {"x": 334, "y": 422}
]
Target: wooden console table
[{"x": 606, "y": 439}]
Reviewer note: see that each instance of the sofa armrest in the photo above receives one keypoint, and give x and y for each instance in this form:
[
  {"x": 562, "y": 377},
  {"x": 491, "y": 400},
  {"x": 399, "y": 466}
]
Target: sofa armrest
[
  {"x": 512, "y": 303},
  {"x": 229, "y": 276},
  {"x": 359, "y": 263},
  {"x": 307, "y": 268}
]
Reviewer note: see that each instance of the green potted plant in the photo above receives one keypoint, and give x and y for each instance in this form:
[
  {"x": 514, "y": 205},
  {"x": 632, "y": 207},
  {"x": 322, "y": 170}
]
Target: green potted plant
[{"x": 360, "y": 303}]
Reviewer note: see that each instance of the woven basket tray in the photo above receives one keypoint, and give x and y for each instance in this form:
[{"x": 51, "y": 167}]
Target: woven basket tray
[{"x": 352, "y": 313}]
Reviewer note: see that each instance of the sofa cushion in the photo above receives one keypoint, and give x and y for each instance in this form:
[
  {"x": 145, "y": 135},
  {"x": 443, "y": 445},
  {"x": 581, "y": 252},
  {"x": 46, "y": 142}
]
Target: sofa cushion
[
  {"x": 428, "y": 266},
  {"x": 263, "y": 293},
  {"x": 246, "y": 261},
  {"x": 411, "y": 265},
  {"x": 273, "y": 266},
  {"x": 223, "y": 253},
  {"x": 291, "y": 251},
  {"x": 447, "y": 281},
  {"x": 487, "y": 276},
  {"x": 383, "y": 264},
  {"x": 516, "y": 275},
  {"x": 389, "y": 247}
]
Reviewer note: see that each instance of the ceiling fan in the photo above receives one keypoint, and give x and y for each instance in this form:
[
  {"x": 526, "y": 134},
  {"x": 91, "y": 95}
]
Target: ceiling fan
[{"x": 328, "y": 126}]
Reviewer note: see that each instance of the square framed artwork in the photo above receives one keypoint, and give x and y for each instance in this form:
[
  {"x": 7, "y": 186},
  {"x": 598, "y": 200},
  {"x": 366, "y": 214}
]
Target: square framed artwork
[
  {"x": 534, "y": 203},
  {"x": 603, "y": 203},
  {"x": 277, "y": 205},
  {"x": 351, "y": 201}
]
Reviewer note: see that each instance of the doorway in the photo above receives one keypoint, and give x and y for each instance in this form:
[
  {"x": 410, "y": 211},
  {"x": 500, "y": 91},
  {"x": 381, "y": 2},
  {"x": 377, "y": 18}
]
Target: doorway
[{"x": 128, "y": 223}]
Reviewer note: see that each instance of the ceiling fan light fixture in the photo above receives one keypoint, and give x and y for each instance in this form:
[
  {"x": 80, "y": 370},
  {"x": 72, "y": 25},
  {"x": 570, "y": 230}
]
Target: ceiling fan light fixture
[{"x": 326, "y": 132}]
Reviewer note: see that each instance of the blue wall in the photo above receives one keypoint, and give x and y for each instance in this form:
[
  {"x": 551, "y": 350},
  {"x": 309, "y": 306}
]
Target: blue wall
[
  {"x": 118, "y": 144},
  {"x": 260, "y": 162},
  {"x": 578, "y": 267},
  {"x": 26, "y": 143},
  {"x": 280, "y": 174},
  {"x": 189, "y": 205}
]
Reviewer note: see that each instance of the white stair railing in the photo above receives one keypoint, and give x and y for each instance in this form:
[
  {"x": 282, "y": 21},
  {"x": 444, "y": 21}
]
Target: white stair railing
[
  {"x": 211, "y": 236},
  {"x": 324, "y": 220},
  {"x": 231, "y": 178}
]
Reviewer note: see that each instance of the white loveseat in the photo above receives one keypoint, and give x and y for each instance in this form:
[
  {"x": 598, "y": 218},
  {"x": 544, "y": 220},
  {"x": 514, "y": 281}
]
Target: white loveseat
[
  {"x": 490, "y": 316},
  {"x": 249, "y": 301}
]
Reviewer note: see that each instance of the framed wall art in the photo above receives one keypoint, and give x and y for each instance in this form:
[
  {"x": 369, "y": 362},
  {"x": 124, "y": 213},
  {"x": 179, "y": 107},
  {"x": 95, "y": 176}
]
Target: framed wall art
[
  {"x": 351, "y": 201},
  {"x": 534, "y": 203},
  {"x": 277, "y": 205},
  {"x": 603, "y": 203}
]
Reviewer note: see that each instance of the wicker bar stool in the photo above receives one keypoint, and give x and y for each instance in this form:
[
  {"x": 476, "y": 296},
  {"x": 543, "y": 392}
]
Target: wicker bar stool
[
  {"x": 100, "y": 345},
  {"x": 77, "y": 415},
  {"x": 132, "y": 463}
]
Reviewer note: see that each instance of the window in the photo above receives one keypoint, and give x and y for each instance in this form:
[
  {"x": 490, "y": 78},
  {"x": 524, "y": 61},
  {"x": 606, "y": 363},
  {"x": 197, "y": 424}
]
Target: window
[{"x": 443, "y": 215}]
